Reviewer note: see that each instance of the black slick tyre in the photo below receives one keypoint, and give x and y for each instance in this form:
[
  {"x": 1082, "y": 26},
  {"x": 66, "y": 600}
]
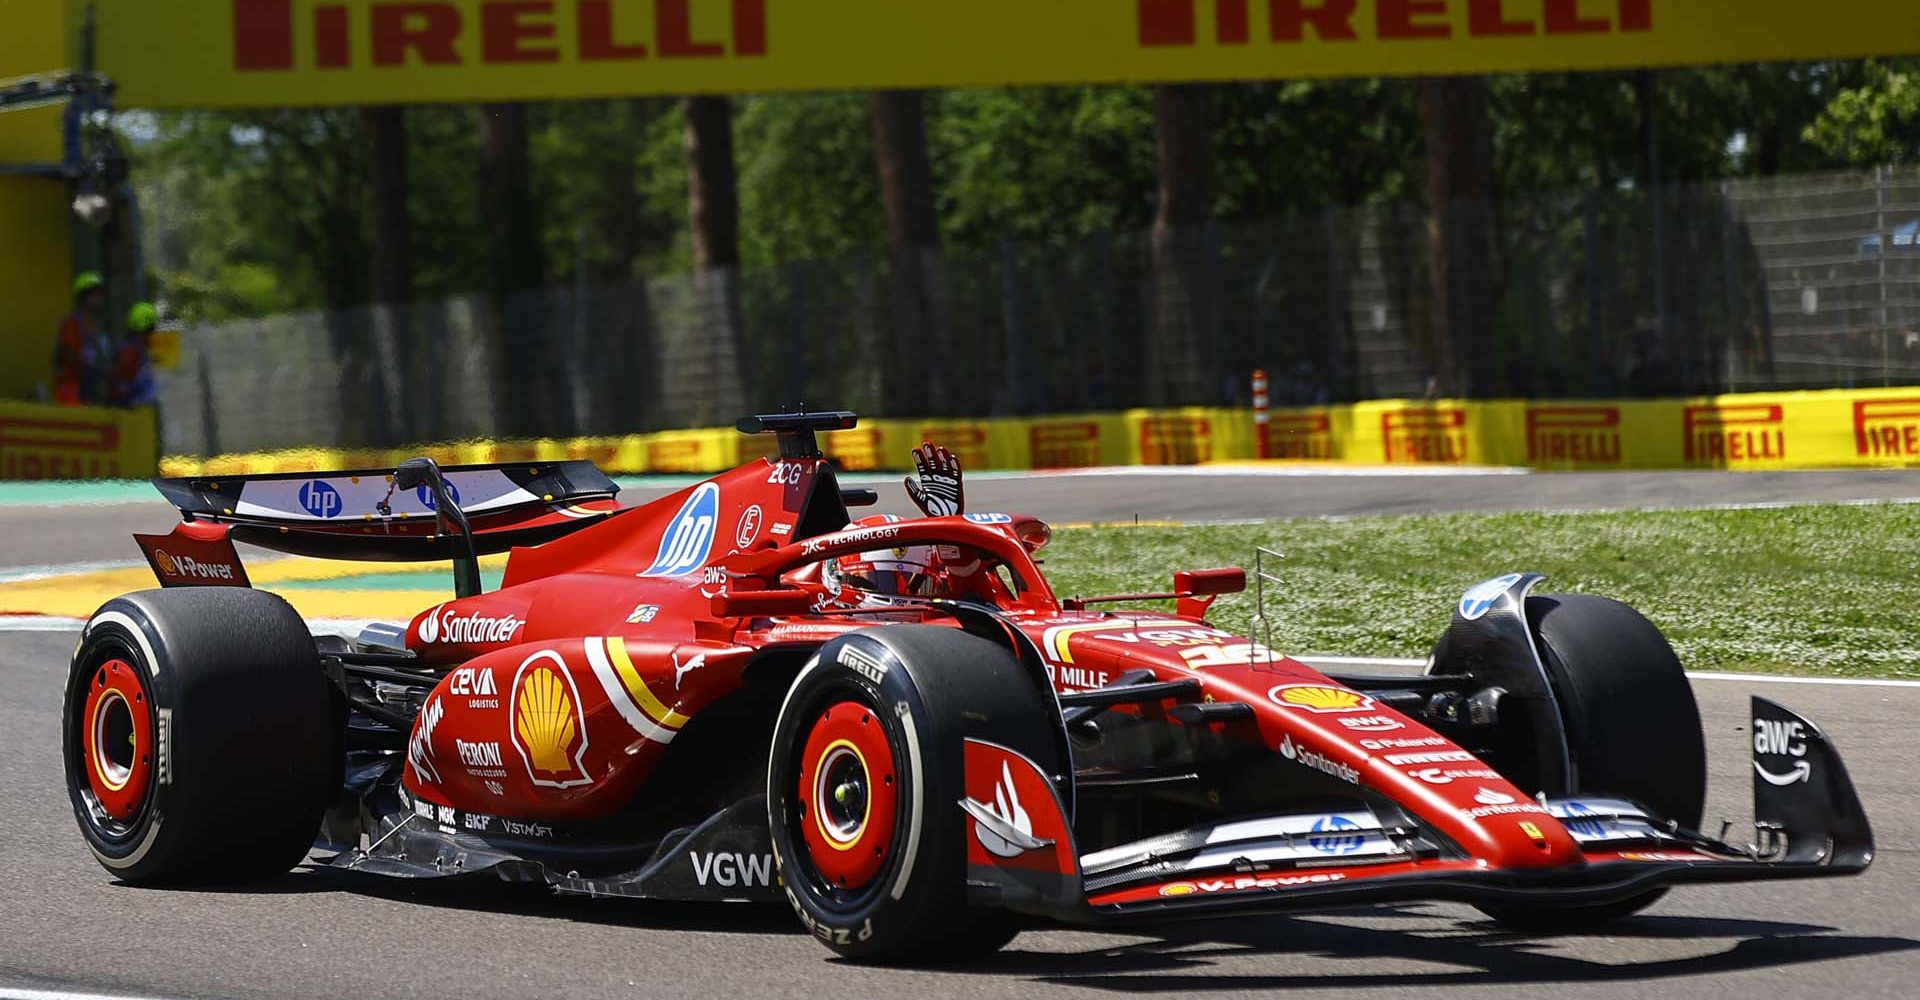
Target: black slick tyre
[
  {"x": 197, "y": 736},
  {"x": 1631, "y": 723},
  {"x": 865, "y": 780}
]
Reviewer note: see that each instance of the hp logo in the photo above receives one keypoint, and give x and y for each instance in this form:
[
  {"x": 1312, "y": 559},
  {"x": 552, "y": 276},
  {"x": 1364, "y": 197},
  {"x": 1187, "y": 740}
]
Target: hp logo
[
  {"x": 320, "y": 499},
  {"x": 689, "y": 536},
  {"x": 1332, "y": 835},
  {"x": 425, "y": 495}
]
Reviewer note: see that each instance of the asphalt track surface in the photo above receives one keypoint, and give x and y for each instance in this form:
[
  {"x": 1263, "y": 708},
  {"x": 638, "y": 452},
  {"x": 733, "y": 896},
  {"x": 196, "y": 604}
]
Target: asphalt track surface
[{"x": 66, "y": 925}]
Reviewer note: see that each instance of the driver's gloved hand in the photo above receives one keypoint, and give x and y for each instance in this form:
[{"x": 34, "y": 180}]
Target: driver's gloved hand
[{"x": 938, "y": 491}]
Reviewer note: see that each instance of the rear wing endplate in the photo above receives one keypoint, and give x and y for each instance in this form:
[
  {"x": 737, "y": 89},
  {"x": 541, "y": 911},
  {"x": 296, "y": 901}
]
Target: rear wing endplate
[{"x": 196, "y": 554}]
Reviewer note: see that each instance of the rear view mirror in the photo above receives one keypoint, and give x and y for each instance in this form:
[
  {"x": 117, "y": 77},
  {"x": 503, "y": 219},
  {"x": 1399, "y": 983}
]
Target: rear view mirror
[
  {"x": 415, "y": 473},
  {"x": 1197, "y": 588},
  {"x": 1204, "y": 582},
  {"x": 761, "y": 603}
]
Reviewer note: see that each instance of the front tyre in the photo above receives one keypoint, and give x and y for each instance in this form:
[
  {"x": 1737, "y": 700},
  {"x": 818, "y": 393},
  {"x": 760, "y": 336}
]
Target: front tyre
[
  {"x": 1631, "y": 724},
  {"x": 865, "y": 781},
  {"x": 197, "y": 736}
]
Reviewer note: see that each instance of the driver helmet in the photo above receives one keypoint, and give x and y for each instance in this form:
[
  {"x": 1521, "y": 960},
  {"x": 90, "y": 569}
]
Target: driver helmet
[{"x": 906, "y": 571}]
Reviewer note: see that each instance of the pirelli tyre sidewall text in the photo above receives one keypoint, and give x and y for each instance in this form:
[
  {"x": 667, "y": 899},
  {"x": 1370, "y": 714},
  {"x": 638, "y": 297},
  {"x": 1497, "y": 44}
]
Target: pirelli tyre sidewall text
[
  {"x": 197, "y": 736},
  {"x": 929, "y": 688}
]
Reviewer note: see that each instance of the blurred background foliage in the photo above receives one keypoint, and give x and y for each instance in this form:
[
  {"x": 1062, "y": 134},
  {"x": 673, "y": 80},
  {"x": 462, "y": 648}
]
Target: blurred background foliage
[{"x": 254, "y": 213}]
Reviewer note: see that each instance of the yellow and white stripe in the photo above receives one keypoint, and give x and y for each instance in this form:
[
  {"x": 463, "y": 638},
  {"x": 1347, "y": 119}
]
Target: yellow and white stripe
[
  {"x": 628, "y": 692},
  {"x": 1054, "y": 641}
]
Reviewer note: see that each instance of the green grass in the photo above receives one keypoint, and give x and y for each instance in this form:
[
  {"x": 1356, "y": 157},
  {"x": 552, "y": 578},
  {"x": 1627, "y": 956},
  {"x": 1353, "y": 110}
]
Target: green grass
[{"x": 1816, "y": 590}]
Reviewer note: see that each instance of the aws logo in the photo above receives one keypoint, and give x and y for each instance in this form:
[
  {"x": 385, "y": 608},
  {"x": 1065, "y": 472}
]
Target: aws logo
[
  {"x": 688, "y": 538},
  {"x": 548, "y": 729}
]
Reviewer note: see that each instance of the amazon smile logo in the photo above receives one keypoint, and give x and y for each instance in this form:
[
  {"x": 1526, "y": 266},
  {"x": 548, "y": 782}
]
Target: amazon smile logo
[{"x": 1781, "y": 738}]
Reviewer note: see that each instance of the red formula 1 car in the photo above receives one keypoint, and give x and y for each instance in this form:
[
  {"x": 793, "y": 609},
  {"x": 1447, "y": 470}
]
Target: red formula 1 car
[{"x": 713, "y": 697}]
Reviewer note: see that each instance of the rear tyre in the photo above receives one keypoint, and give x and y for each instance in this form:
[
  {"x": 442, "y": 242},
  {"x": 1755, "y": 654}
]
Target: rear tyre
[
  {"x": 1631, "y": 723},
  {"x": 865, "y": 780},
  {"x": 197, "y": 737}
]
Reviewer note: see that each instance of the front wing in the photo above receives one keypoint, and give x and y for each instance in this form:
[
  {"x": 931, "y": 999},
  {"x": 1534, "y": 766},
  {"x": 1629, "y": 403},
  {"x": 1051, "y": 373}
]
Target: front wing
[{"x": 1808, "y": 819}]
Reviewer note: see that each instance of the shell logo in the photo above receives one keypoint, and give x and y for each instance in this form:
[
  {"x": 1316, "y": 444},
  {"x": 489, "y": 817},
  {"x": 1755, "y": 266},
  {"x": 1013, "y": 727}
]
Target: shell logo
[
  {"x": 1179, "y": 889},
  {"x": 1320, "y": 698},
  {"x": 544, "y": 720},
  {"x": 167, "y": 565},
  {"x": 547, "y": 727}
]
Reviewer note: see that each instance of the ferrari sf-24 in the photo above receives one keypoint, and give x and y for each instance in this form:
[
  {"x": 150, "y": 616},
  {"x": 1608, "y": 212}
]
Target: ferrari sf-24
[{"x": 738, "y": 692}]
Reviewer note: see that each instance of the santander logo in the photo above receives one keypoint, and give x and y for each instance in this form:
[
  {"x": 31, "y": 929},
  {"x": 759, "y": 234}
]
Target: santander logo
[
  {"x": 1006, "y": 806},
  {"x": 444, "y": 624}
]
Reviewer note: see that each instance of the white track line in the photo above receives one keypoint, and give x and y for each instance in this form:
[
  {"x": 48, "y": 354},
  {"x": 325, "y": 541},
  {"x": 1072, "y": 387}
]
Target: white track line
[
  {"x": 1387, "y": 662},
  {"x": 61, "y": 623},
  {"x": 12, "y": 993},
  {"x": 26, "y": 573},
  {"x": 39, "y": 623},
  {"x": 1708, "y": 675},
  {"x": 1396, "y": 663},
  {"x": 1285, "y": 471}
]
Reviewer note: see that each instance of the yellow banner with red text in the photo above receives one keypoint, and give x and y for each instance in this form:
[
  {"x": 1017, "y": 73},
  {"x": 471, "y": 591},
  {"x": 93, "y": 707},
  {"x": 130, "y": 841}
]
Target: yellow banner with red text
[
  {"x": 214, "y": 53},
  {"x": 40, "y": 441},
  {"x": 1865, "y": 428}
]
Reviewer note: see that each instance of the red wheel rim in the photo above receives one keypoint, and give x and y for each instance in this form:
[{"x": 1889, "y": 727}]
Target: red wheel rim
[
  {"x": 848, "y": 795},
  {"x": 117, "y": 738}
]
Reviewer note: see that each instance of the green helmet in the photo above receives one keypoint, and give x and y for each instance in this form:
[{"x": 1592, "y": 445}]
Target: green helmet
[
  {"x": 87, "y": 281},
  {"x": 143, "y": 317}
]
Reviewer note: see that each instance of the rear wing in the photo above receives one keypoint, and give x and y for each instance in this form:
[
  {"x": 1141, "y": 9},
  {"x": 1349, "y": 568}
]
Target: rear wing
[{"x": 360, "y": 514}]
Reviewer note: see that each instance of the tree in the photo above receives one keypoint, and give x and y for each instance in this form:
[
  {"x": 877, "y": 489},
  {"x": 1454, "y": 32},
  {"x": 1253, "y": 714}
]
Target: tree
[
  {"x": 600, "y": 233},
  {"x": 390, "y": 258},
  {"x": 917, "y": 382},
  {"x": 1183, "y": 249},
  {"x": 1876, "y": 121},
  {"x": 390, "y": 271},
  {"x": 1453, "y": 115},
  {"x": 1301, "y": 146},
  {"x": 713, "y": 211},
  {"x": 1042, "y": 165},
  {"x": 529, "y": 392},
  {"x": 808, "y": 187}
]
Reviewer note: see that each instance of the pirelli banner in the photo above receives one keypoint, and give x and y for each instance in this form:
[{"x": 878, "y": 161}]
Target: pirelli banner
[
  {"x": 213, "y": 53},
  {"x": 1801, "y": 430},
  {"x": 39, "y": 441},
  {"x": 1869, "y": 428}
]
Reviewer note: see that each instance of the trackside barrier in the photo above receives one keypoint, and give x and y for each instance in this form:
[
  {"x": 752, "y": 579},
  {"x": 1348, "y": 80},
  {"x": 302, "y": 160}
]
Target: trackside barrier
[
  {"x": 42, "y": 441},
  {"x": 1861, "y": 428}
]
